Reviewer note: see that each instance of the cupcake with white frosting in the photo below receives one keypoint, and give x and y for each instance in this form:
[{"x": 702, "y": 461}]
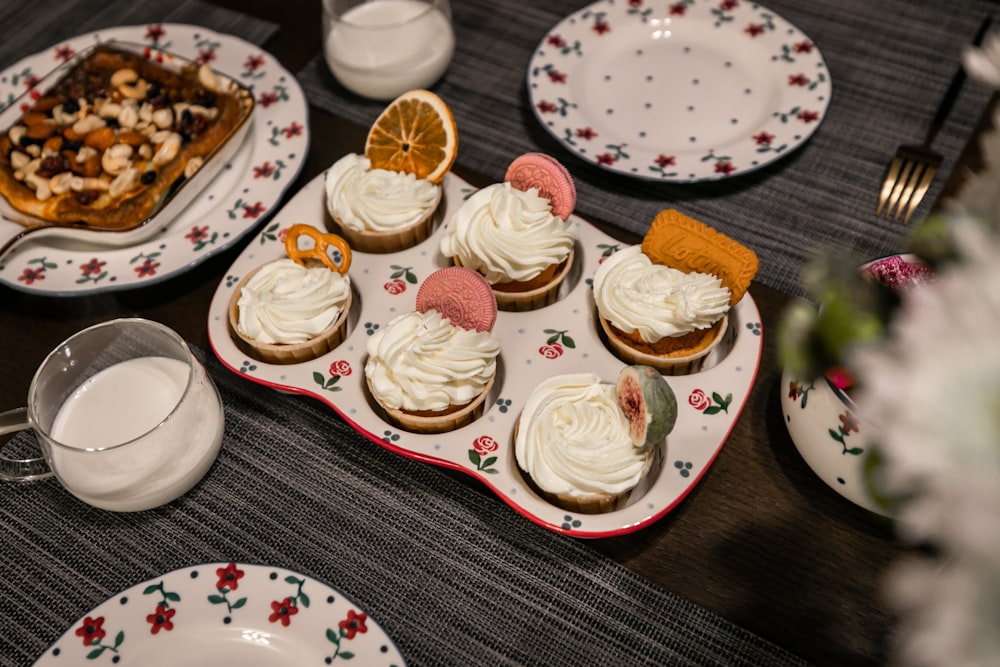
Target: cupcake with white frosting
[
  {"x": 573, "y": 441},
  {"x": 429, "y": 375},
  {"x": 379, "y": 210},
  {"x": 287, "y": 311},
  {"x": 657, "y": 315},
  {"x": 517, "y": 234},
  {"x": 514, "y": 240}
]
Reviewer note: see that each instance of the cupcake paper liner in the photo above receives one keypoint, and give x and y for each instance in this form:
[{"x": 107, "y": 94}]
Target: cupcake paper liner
[
  {"x": 290, "y": 353},
  {"x": 667, "y": 365},
  {"x": 439, "y": 423},
  {"x": 539, "y": 297},
  {"x": 392, "y": 241}
]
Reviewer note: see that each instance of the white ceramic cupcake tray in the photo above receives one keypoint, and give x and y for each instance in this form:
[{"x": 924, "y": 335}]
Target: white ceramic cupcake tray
[{"x": 557, "y": 339}]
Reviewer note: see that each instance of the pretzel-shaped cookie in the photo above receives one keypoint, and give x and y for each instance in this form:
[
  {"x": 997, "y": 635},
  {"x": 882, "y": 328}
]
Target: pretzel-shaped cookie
[{"x": 318, "y": 251}]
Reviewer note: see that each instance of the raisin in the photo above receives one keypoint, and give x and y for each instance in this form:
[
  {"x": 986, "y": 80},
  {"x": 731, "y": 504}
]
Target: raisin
[
  {"x": 191, "y": 125},
  {"x": 148, "y": 177},
  {"x": 204, "y": 98},
  {"x": 87, "y": 197},
  {"x": 52, "y": 165},
  {"x": 74, "y": 146},
  {"x": 70, "y": 106}
]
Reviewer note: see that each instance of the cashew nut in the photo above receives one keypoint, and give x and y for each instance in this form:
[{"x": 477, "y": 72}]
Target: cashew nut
[
  {"x": 117, "y": 159},
  {"x": 109, "y": 110},
  {"x": 207, "y": 78},
  {"x": 85, "y": 153},
  {"x": 167, "y": 150},
  {"x": 88, "y": 124},
  {"x": 124, "y": 76},
  {"x": 124, "y": 182},
  {"x": 193, "y": 165},
  {"x": 16, "y": 133},
  {"x": 163, "y": 118},
  {"x": 81, "y": 183},
  {"x": 63, "y": 118},
  {"x": 19, "y": 160},
  {"x": 128, "y": 117},
  {"x": 60, "y": 183},
  {"x": 136, "y": 91},
  {"x": 41, "y": 186}
]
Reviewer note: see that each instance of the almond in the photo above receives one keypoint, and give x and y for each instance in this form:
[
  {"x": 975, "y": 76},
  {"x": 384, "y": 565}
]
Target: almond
[
  {"x": 33, "y": 118},
  {"x": 53, "y": 143},
  {"x": 101, "y": 138},
  {"x": 131, "y": 138},
  {"x": 40, "y": 131}
]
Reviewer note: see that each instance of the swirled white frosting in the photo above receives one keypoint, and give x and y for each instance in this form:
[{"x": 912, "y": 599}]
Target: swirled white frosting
[
  {"x": 421, "y": 361},
  {"x": 376, "y": 200},
  {"x": 507, "y": 234},
  {"x": 285, "y": 302},
  {"x": 573, "y": 438},
  {"x": 634, "y": 294}
]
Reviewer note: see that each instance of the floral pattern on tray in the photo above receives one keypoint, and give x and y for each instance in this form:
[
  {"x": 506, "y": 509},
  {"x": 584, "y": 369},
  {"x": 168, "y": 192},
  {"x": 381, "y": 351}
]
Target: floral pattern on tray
[
  {"x": 232, "y": 205},
  {"x": 561, "y": 338},
  {"x": 682, "y": 91},
  {"x": 226, "y": 614}
]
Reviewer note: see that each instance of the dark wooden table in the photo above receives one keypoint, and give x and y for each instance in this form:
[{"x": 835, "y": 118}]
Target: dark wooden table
[{"x": 761, "y": 540}]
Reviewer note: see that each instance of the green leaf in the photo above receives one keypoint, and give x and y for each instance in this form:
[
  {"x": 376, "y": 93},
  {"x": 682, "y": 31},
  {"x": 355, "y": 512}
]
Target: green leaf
[
  {"x": 410, "y": 278},
  {"x": 239, "y": 603},
  {"x": 216, "y": 599},
  {"x": 490, "y": 461},
  {"x": 119, "y": 638},
  {"x": 304, "y": 599},
  {"x": 717, "y": 397},
  {"x": 292, "y": 580},
  {"x": 552, "y": 339},
  {"x": 318, "y": 378},
  {"x": 805, "y": 398},
  {"x": 712, "y": 410},
  {"x": 491, "y": 471},
  {"x": 855, "y": 450},
  {"x": 96, "y": 653},
  {"x": 836, "y": 436},
  {"x": 474, "y": 457},
  {"x": 173, "y": 597},
  {"x": 151, "y": 589},
  {"x": 346, "y": 655},
  {"x": 332, "y": 636},
  {"x": 568, "y": 342}
]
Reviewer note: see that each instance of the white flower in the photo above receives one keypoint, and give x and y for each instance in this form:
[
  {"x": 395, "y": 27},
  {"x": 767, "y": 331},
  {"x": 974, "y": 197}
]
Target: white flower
[
  {"x": 933, "y": 387},
  {"x": 984, "y": 63}
]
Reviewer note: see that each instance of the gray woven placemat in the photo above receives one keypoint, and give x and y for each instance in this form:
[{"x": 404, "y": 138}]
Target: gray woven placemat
[
  {"x": 890, "y": 62},
  {"x": 29, "y": 27},
  {"x": 453, "y": 575}
]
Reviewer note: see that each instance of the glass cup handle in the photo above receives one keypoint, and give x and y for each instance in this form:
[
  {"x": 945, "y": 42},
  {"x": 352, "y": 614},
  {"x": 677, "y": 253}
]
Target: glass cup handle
[{"x": 19, "y": 470}]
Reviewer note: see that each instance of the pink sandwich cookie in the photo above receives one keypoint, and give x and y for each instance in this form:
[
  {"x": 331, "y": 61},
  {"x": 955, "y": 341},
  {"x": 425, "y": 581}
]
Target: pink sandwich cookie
[
  {"x": 448, "y": 338},
  {"x": 516, "y": 234}
]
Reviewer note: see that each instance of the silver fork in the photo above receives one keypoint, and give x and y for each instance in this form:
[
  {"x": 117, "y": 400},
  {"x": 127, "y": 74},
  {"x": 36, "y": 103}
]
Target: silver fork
[{"x": 913, "y": 167}]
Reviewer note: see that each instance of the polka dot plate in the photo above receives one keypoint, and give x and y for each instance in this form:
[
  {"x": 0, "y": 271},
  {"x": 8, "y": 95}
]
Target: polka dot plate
[
  {"x": 691, "y": 90},
  {"x": 225, "y": 614}
]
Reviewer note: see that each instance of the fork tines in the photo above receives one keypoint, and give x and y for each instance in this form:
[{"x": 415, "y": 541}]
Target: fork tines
[{"x": 907, "y": 181}]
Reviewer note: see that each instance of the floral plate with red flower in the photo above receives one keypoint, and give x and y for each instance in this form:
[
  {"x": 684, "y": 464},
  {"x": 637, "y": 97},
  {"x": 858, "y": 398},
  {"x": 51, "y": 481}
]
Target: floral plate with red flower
[
  {"x": 239, "y": 199},
  {"x": 682, "y": 91},
  {"x": 226, "y": 614},
  {"x": 563, "y": 337}
]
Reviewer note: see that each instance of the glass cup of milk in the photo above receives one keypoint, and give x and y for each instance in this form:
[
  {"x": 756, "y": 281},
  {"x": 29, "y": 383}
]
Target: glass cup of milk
[
  {"x": 382, "y": 48},
  {"x": 126, "y": 417}
]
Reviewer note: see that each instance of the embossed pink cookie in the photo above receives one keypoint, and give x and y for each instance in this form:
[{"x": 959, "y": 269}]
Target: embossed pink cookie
[
  {"x": 461, "y": 295},
  {"x": 537, "y": 170}
]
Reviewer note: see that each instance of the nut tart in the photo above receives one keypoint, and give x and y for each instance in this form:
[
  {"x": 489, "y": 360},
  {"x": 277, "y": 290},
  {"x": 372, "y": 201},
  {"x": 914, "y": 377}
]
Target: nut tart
[{"x": 115, "y": 135}]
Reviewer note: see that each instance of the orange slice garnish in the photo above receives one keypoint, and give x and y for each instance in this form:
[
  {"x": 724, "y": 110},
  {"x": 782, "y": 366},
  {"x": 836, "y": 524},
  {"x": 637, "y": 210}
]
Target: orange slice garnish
[{"x": 415, "y": 134}]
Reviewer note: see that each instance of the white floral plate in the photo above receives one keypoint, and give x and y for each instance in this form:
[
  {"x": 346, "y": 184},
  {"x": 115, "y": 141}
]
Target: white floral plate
[
  {"x": 229, "y": 207},
  {"x": 561, "y": 338},
  {"x": 693, "y": 90},
  {"x": 225, "y": 614}
]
